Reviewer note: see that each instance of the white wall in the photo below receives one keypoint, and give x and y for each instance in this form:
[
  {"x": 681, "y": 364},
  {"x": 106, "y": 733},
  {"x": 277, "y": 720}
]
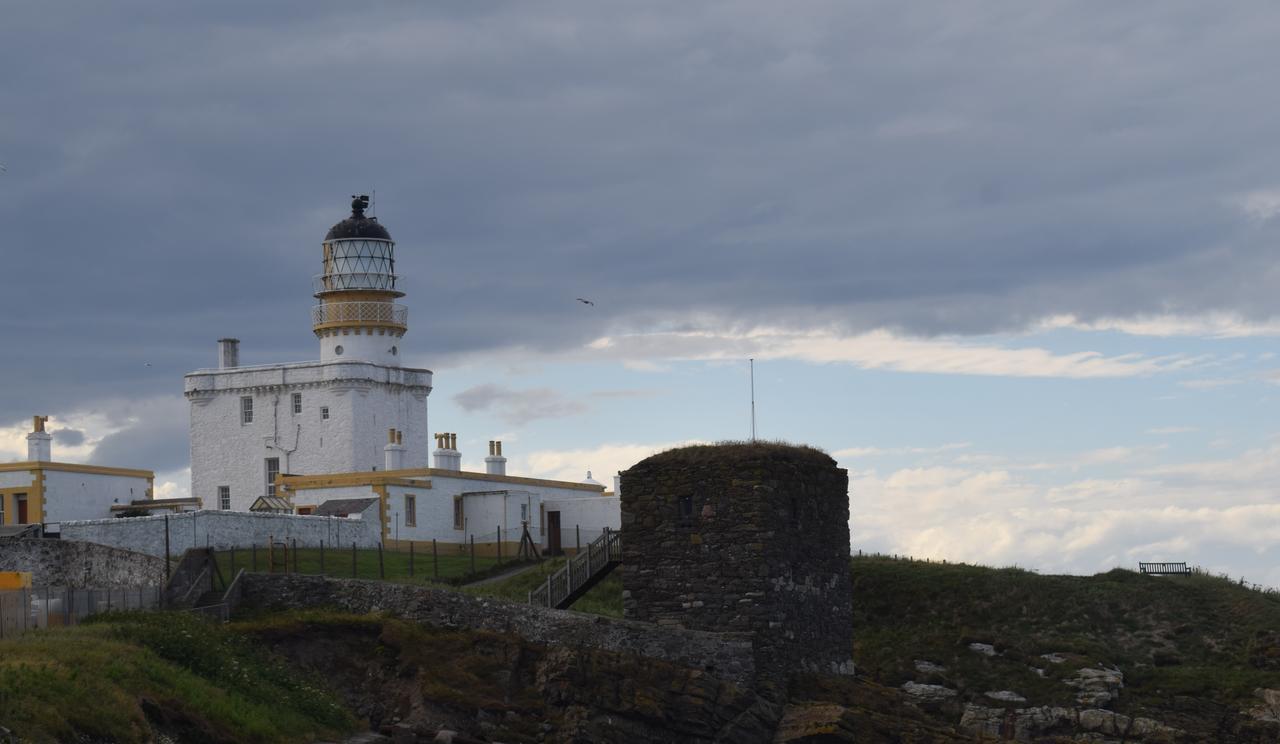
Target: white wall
[
  {"x": 221, "y": 529},
  {"x": 15, "y": 479},
  {"x": 585, "y": 516},
  {"x": 71, "y": 495},
  {"x": 364, "y": 400}
]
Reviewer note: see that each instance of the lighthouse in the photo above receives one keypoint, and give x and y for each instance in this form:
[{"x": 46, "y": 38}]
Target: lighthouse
[
  {"x": 357, "y": 316},
  {"x": 252, "y": 424}
]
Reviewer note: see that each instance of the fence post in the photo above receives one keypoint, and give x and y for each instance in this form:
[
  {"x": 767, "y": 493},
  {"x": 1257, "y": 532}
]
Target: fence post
[
  {"x": 166, "y": 549},
  {"x": 411, "y": 559},
  {"x": 499, "y": 543},
  {"x": 271, "y": 553},
  {"x": 473, "y": 554},
  {"x": 435, "y": 560},
  {"x": 233, "y": 560},
  {"x": 353, "y": 559},
  {"x": 577, "y": 538},
  {"x": 254, "y": 548},
  {"x": 322, "y": 557},
  {"x": 382, "y": 573},
  {"x": 295, "y": 555}
]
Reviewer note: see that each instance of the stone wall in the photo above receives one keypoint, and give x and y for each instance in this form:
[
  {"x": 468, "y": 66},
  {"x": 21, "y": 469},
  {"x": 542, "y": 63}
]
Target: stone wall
[
  {"x": 222, "y": 529},
  {"x": 725, "y": 656},
  {"x": 80, "y": 565},
  {"x": 747, "y": 538}
]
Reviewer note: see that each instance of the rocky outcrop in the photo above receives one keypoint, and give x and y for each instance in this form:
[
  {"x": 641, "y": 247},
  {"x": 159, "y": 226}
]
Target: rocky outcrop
[
  {"x": 1030, "y": 724},
  {"x": 1097, "y": 687}
]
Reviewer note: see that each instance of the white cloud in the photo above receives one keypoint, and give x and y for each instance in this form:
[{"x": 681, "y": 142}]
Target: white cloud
[
  {"x": 1206, "y": 325},
  {"x": 1159, "y": 430},
  {"x": 1260, "y": 205},
  {"x": 1209, "y": 383},
  {"x": 604, "y": 461},
  {"x": 882, "y": 451},
  {"x": 882, "y": 349}
]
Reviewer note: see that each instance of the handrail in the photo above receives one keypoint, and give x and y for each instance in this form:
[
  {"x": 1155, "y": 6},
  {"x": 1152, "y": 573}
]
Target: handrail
[
  {"x": 199, "y": 581},
  {"x": 578, "y": 570}
]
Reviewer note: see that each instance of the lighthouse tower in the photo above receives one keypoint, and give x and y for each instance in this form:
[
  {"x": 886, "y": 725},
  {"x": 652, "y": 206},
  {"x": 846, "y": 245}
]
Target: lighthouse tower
[
  {"x": 252, "y": 424},
  {"x": 357, "y": 317}
]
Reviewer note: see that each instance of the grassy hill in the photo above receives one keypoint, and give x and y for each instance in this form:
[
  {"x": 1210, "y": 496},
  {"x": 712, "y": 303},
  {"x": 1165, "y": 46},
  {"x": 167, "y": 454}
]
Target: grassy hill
[{"x": 1196, "y": 635}]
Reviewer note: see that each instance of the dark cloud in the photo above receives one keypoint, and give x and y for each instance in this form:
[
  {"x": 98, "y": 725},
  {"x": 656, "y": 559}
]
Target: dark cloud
[
  {"x": 518, "y": 407},
  {"x": 919, "y": 166},
  {"x": 161, "y": 448},
  {"x": 68, "y": 437}
]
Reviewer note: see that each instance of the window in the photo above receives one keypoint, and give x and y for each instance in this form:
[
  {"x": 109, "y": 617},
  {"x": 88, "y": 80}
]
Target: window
[
  {"x": 2, "y": 498},
  {"x": 410, "y": 511},
  {"x": 273, "y": 469},
  {"x": 297, "y": 403},
  {"x": 686, "y": 510},
  {"x": 324, "y": 413},
  {"x": 246, "y": 410},
  {"x": 459, "y": 519},
  {"x": 224, "y": 498}
]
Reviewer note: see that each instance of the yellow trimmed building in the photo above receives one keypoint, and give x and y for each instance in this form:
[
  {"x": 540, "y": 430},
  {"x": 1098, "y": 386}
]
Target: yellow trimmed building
[{"x": 41, "y": 491}]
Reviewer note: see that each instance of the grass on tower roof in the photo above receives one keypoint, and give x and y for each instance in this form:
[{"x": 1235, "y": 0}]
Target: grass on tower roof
[{"x": 739, "y": 451}]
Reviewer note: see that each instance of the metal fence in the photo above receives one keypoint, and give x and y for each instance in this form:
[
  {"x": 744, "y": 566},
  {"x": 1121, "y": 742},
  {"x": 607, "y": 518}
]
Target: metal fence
[{"x": 57, "y": 606}]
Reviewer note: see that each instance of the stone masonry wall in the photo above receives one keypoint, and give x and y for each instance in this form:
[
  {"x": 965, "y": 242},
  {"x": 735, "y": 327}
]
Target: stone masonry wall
[
  {"x": 80, "y": 565},
  {"x": 724, "y": 656},
  {"x": 222, "y": 529},
  {"x": 749, "y": 538}
]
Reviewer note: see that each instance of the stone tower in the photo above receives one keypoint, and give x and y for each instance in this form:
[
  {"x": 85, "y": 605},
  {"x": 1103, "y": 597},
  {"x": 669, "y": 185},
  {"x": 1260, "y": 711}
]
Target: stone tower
[{"x": 749, "y": 537}]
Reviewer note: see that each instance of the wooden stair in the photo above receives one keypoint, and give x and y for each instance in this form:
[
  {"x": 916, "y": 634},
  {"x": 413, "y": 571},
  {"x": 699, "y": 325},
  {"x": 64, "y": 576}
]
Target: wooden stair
[{"x": 580, "y": 573}]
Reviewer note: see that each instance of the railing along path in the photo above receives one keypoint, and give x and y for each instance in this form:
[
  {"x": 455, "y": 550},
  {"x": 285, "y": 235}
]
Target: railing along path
[{"x": 580, "y": 572}]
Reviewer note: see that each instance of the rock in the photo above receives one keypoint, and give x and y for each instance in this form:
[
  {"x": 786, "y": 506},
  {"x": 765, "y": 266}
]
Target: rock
[
  {"x": 928, "y": 667},
  {"x": 986, "y": 649},
  {"x": 1269, "y": 710},
  {"x": 1097, "y": 687},
  {"x": 1053, "y": 658},
  {"x": 1006, "y": 696},
  {"x": 803, "y": 723},
  {"x": 928, "y": 693}
]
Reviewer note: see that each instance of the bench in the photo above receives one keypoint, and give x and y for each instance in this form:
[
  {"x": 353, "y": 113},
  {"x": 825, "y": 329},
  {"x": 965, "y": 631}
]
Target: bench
[{"x": 1161, "y": 569}]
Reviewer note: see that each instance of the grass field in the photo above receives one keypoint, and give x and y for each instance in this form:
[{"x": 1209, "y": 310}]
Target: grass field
[
  {"x": 337, "y": 563},
  {"x": 114, "y": 677}
]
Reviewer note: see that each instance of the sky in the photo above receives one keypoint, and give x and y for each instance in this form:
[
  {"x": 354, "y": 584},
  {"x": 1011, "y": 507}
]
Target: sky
[{"x": 1013, "y": 265}]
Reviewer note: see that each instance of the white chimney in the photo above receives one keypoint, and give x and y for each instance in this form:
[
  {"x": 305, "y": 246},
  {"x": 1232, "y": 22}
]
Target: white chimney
[
  {"x": 228, "y": 353},
  {"x": 447, "y": 456},
  {"x": 495, "y": 463},
  {"x": 39, "y": 441},
  {"x": 393, "y": 453},
  {"x": 617, "y": 484}
]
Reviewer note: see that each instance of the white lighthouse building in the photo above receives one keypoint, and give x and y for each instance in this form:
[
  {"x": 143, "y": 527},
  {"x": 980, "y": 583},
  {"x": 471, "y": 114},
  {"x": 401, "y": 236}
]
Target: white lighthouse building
[{"x": 252, "y": 424}]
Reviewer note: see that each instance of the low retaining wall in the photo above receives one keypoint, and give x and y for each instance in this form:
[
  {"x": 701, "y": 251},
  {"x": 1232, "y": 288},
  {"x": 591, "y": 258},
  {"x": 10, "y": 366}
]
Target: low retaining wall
[
  {"x": 80, "y": 565},
  {"x": 726, "y": 656},
  {"x": 222, "y": 530}
]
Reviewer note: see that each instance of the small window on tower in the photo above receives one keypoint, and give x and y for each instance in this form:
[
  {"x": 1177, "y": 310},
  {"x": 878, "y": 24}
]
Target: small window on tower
[
  {"x": 224, "y": 498},
  {"x": 297, "y": 403},
  {"x": 410, "y": 511},
  {"x": 246, "y": 410},
  {"x": 324, "y": 413},
  {"x": 686, "y": 510}
]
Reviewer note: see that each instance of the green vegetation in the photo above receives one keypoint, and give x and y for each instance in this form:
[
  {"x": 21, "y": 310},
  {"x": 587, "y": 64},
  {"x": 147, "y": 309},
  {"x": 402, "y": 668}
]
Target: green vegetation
[
  {"x": 734, "y": 451},
  {"x": 119, "y": 675},
  {"x": 604, "y": 598},
  {"x": 1197, "y": 635},
  {"x": 449, "y": 564}
]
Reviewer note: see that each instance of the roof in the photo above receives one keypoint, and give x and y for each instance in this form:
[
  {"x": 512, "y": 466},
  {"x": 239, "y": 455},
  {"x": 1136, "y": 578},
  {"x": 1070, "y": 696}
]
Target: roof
[
  {"x": 271, "y": 504},
  {"x": 357, "y": 225},
  {"x": 342, "y": 507}
]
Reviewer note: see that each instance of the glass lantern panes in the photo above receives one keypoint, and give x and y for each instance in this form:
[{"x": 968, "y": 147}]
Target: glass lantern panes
[{"x": 358, "y": 263}]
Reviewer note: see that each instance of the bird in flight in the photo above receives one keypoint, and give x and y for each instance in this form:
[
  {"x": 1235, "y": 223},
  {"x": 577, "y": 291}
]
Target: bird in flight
[{"x": 586, "y": 302}]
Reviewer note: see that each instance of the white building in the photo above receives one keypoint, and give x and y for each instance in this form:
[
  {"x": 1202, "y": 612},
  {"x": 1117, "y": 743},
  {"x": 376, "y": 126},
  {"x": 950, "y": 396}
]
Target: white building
[
  {"x": 251, "y": 424},
  {"x": 41, "y": 491},
  {"x": 354, "y": 425}
]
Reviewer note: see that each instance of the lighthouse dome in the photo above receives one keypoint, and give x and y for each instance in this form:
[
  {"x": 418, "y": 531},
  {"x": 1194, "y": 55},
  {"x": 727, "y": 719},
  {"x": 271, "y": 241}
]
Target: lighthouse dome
[{"x": 358, "y": 225}]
